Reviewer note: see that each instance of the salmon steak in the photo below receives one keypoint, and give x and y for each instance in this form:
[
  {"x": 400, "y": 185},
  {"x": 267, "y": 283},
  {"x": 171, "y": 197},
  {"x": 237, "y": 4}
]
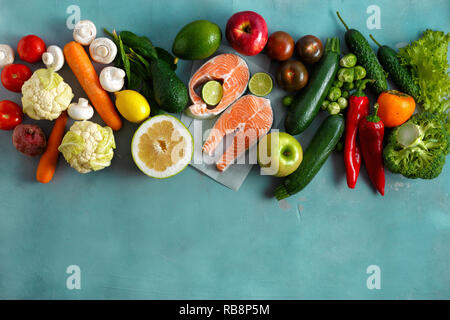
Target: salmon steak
[
  {"x": 249, "y": 119},
  {"x": 228, "y": 69}
]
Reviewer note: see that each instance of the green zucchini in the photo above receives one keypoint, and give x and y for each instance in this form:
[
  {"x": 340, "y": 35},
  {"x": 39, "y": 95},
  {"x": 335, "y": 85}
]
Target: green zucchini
[
  {"x": 397, "y": 72},
  {"x": 323, "y": 142},
  {"x": 357, "y": 44},
  {"x": 307, "y": 102}
]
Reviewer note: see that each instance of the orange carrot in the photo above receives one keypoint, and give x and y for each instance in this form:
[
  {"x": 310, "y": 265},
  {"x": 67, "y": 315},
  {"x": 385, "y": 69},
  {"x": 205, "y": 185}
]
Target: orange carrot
[
  {"x": 47, "y": 163},
  {"x": 81, "y": 65}
]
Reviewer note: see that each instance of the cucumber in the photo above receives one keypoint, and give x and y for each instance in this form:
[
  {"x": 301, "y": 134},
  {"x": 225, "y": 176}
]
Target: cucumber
[
  {"x": 323, "y": 142},
  {"x": 358, "y": 45},
  {"x": 399, "y": 74},
  {"x": 306, "y": 103}
]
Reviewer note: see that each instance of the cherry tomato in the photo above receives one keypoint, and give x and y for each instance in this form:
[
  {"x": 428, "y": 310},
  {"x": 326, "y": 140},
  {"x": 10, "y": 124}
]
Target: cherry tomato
[
  {"x": 31, "y": 48},
  {"x": 292, "y": 76},
  {"x": 10, "y": 115},
  {"x": 14, "y": 75},
  {"x": 280, "y": 46},
  {"x": 309, "y": 49}
]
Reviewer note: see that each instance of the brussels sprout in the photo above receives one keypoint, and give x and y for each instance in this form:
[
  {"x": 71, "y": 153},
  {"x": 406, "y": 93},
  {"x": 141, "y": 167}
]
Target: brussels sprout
[
  {"x": 287, "y": 101},
  {"x": 324, "y": 105},
  {"x": 333, "y": 108},
  {"x": 337, "y": 83},
  {"x": 334, "y": 94},
  {"x": 360, "y": 72},
  {"x": 342, "y": 102},
  {"x": 348, "y": 61},
  {"x": 345, "y": 94},
  {"x": 348, "y": 86},
  {"x": 346, "y": 75}
]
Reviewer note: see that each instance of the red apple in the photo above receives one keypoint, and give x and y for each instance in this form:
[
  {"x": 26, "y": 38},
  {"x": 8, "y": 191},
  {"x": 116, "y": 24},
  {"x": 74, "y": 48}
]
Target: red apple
[{"x": 247, "y": 32}]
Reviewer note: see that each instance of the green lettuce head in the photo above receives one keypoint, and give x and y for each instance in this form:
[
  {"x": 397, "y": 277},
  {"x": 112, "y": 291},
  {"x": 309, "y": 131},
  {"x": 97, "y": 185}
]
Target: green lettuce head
[{"x": 88, "y": 146}]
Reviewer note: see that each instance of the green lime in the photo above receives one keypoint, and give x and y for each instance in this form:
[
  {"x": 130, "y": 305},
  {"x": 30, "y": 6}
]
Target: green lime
[
  {"x": 212, "y": 92},
  {"x": 197, "y": 40},
  {"x": 260, "y": 84}
]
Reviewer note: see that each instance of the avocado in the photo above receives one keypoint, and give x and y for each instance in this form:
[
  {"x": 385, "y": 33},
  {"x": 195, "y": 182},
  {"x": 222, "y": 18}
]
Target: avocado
[
  {"x": 197, "y": 40},
  {"x": 169, "y": 91}
]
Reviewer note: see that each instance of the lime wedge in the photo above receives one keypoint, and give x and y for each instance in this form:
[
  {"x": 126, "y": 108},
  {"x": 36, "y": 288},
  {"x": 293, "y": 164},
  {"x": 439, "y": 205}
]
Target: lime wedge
[
  {"x": 260, "y": 84},
  {"x": 212, "y": 92}
]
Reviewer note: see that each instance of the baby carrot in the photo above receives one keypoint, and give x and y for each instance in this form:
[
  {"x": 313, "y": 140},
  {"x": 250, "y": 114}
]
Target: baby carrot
[
  {"x": 78, "y": 60},
  {"x": 47, "y": 163}
]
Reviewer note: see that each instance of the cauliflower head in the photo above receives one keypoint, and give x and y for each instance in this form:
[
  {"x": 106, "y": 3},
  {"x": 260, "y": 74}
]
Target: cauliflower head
[
  {"x": 45, "y": 95},
  {"x": 87, "y": 146}
]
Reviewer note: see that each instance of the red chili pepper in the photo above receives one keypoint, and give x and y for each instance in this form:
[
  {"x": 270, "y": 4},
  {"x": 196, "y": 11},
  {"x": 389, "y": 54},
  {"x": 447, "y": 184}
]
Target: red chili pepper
[
  {"x": 358, "y": 108},
  {"x": 371, "y": 133}
]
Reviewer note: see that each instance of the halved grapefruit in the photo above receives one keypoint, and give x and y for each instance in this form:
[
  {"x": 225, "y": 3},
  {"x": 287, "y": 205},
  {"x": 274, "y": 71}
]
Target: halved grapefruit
[{"x": 162, "y": 147}]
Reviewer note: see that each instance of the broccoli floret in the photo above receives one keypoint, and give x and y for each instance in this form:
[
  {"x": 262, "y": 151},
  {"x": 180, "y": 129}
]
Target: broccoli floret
[{"x": 417, "y": 148}]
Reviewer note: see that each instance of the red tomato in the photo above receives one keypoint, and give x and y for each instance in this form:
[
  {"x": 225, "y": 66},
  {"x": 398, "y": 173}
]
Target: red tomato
[
  {"x": 14, "y": 75},
  {"x": 10, "y": 115},
  {"x": 280, "y": 46},
  {"x": 31, "y": 48}
]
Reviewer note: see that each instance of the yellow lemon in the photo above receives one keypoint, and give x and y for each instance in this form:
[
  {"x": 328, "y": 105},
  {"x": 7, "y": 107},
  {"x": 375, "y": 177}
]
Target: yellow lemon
[{"x": 132, "y": 105}]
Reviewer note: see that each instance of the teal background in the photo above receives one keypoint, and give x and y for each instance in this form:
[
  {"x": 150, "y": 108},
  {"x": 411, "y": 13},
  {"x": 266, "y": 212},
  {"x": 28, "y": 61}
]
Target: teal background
[{"x": 191, "y": 238}]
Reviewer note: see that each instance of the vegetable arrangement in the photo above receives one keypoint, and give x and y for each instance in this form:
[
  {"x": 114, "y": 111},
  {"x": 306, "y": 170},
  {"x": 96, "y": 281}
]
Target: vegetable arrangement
[
  {"x": 307, "y": 102},
  {"x": 418, "y": 145},
  {"x": 142, "y": 85},
  {"x": 82, "y": 67},
  {"x": 348, "y": 79},
  {"x": 358, "y": 45},
  {"x": 318, "y": 151},
  {"x": 150, "y": 70}
]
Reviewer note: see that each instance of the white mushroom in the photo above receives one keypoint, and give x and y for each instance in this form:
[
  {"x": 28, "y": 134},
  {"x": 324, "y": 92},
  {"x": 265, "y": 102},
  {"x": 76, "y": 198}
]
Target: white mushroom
[
  {"x": 6, "y": 55},
  {"x": 84, "y": 32},
  {"x": 103, "y": 50},
  {"x": 80, "y": 110},
  {"x": 53, "y": 58},
  {"x": 112, "y": 79}
]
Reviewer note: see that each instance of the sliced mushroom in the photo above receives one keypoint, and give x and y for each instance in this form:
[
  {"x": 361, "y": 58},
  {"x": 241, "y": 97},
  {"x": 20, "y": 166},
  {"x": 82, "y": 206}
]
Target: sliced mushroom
[
  {"x": 80, "y": 110},
  {"x": 103, "y": 50},
  {"x": 84, "y": 32},
  {"x": 53, "y": 58},
  {"x": 6, "y": 55},
  {"x": 112, "y": 79}
]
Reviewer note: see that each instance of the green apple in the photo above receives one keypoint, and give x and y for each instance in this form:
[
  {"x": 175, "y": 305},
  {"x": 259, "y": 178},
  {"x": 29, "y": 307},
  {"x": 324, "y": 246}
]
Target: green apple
[{"x": 279, "y": 154}]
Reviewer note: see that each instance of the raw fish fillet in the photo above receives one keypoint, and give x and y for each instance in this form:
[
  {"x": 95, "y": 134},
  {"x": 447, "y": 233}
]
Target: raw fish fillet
[
  {"x": 231, "y": 71},
  {"x": 249, "y": 118}
]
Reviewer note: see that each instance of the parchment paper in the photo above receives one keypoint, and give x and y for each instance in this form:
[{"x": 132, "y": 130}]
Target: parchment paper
[{"x": 235, "y": 175}]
